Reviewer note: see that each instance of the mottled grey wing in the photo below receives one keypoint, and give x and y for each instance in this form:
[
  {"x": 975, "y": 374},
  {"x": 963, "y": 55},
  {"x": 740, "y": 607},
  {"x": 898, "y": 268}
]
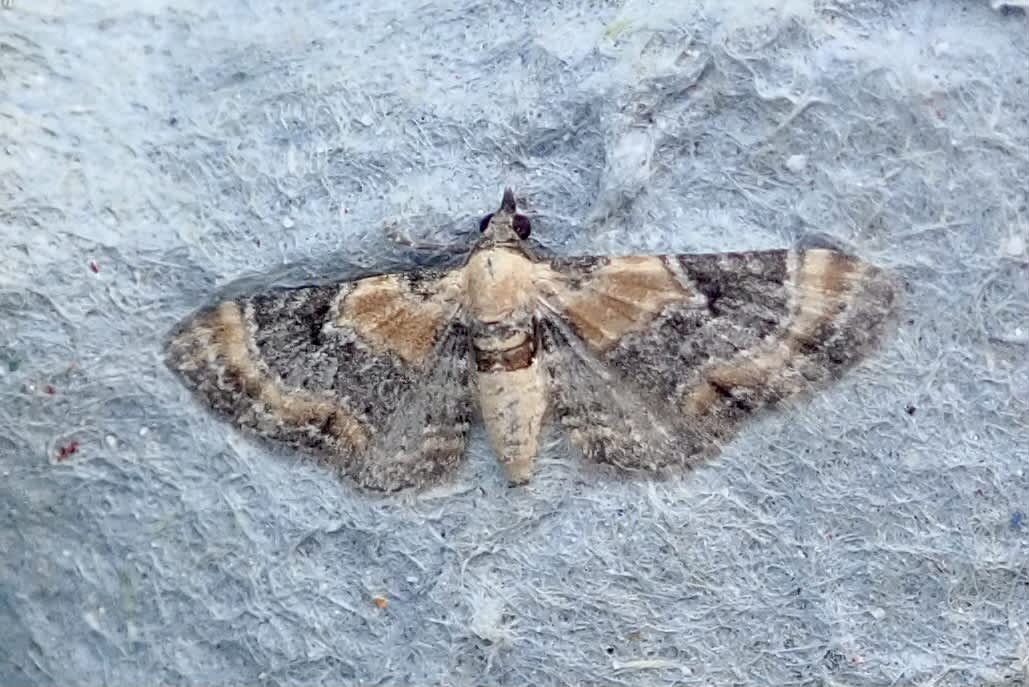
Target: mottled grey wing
[
  {"x": 371, "y": 376},
  {"x": 655, "y": 361}
]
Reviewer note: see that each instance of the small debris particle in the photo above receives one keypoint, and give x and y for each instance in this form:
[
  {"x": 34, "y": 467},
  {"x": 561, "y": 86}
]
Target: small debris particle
[
  {"x": 1017, "y": 521},
  {"x": 1014, "y": 246},
  {"x": 94, "y": 267},
  {"x": 67, "y": 450},
  {"x": 13, "y": 364},
  {"x": 796, "y": 163},
  {"x": 50, "y": 390},
  {"x": 833, "y": 659},
  {"x": 910, "y": 409},
  {"x": 380, "y": 602}
]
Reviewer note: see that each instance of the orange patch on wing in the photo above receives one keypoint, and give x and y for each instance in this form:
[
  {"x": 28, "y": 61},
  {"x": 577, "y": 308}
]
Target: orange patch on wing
[
  {"x": 624, "y": 295},
  {"x": 750, "y": 371},
  {"x": 384, "y": 313}
]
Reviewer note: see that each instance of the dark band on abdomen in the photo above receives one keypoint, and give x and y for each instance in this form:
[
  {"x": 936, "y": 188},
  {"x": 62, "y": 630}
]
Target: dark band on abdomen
[{"x": 517, "y": 358}]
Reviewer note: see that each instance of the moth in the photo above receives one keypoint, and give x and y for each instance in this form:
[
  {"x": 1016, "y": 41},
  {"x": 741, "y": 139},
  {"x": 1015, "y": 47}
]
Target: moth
[{"x": 648, "y": 362}]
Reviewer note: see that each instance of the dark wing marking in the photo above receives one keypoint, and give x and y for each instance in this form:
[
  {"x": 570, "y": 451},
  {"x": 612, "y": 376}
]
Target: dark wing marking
[
  {"x": 371, "y": 375},
  {"x": 656, "y": 361}
]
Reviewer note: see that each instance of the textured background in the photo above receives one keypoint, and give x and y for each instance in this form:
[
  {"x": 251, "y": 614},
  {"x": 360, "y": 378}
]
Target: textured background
[{"x": 152, "y": 152}]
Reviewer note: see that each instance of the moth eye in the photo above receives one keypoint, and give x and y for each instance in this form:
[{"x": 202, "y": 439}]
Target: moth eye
[
  {"x": 521, "y": 225},
  {"x": 484, "y": 222}
]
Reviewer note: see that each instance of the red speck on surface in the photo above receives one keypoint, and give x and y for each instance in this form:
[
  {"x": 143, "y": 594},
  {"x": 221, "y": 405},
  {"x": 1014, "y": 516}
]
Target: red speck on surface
[
  {"x": 50, "y": 389},
  {"x": 67, "y": 450},
  {"x": 93, "y": 267}
]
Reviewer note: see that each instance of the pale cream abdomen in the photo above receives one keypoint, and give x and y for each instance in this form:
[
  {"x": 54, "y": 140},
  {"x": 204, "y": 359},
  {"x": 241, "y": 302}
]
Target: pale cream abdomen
[{"x": 513, "y": 403}]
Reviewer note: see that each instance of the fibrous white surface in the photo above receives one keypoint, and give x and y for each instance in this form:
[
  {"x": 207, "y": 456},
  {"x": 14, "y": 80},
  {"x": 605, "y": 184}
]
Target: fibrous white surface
[{"x": 154, "y": 151}]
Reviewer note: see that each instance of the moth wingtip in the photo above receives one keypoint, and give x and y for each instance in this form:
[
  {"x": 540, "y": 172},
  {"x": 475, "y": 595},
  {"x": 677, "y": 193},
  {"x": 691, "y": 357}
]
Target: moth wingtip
[
  {"x": 173, "y": 344},
  {"x": 186, "y": 347}
]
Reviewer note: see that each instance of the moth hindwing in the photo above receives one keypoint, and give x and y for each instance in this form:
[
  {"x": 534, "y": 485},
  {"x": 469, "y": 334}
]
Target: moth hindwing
[{"x": 647, "y": 362}]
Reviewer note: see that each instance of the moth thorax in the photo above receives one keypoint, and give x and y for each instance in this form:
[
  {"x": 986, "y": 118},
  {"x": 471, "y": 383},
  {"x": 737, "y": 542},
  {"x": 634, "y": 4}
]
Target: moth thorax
[{"x": 499, "y": 283}]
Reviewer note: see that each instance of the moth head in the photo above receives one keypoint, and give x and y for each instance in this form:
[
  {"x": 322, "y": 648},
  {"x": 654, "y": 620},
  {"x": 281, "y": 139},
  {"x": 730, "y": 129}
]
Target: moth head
[{"x": 506, "y": 224}]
